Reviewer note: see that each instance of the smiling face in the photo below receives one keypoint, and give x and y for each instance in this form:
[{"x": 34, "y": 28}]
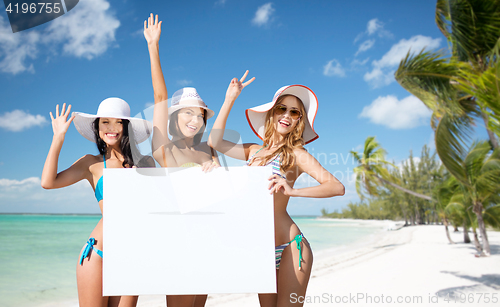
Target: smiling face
[
  {"x": 190, "y": 121},
  {"x": 111, "y": 130},
  {"x": 287, "y": 113}
]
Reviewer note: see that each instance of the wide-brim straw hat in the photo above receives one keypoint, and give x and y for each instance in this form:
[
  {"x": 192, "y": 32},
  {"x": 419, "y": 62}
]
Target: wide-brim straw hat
[
  {"x": 112, "y": 108},
  {"x": 188, "y": 97},
  {"x": 257, "y": 116}
]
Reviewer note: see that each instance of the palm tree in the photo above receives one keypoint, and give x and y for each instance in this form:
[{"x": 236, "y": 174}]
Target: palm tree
[
  {"x": 480, "y": 180},
  {"x": 459, "y": 205},
  {"x": 372, "y": 174},
  {"x": 478, "y": 194},
  {"x": 462, "y": 84},
  {"x": 444, "y": 193}
]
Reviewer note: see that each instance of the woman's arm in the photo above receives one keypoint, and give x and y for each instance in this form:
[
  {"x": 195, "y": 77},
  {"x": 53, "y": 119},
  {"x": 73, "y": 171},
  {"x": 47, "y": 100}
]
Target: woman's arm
[
  {"x": 152, "y": 32},
  {"x": 216, "y": 138},
  {"x": 50, "y": 178},
  {"x": 329, "y": 185}
]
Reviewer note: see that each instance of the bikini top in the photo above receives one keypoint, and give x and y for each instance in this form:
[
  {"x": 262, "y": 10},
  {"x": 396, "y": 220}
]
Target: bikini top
[
  {"x": 191, "y": 164},
  {"x": 275, "y": 163},
  {"x": 98, "y": 186}
]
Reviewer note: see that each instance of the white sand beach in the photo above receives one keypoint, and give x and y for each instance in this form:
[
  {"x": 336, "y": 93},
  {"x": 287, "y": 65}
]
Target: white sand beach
[{"x": 414, "y": 265}]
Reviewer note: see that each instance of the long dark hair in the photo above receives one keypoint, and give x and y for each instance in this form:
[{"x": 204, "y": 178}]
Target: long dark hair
[
  {"x": 128, "y": 161},
  {"x": 173, "y": 127}
]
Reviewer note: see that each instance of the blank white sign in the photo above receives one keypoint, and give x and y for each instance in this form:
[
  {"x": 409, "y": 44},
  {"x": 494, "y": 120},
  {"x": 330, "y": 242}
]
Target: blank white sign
[{"x": 182, "y": 231}]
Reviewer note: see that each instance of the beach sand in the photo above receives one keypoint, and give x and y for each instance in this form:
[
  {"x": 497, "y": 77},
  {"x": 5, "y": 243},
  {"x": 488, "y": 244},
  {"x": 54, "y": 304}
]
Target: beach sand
[{"x": 412, "y": 266}]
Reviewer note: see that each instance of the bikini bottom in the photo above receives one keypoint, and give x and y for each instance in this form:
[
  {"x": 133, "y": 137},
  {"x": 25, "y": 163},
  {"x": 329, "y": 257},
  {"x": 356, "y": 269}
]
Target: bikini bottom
[
  {"x": 88, "y": 250},
  {"x": 278, "y": 250}
]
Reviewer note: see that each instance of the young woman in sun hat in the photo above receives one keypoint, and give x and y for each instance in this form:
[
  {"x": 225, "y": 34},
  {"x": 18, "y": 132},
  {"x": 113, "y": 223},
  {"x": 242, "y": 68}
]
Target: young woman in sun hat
[
  {"x": 111, "y": 129},
  {"x": 185, "y": 119},
  {"x": 284, "y": 125}
]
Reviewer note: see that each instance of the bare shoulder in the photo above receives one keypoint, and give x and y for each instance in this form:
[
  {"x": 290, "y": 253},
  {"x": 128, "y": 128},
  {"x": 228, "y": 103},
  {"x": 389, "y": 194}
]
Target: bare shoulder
[
  {"x": 301, "y": 153},
  {"x": 88, "y": 160},
  {"x": 251, "y": 147}
]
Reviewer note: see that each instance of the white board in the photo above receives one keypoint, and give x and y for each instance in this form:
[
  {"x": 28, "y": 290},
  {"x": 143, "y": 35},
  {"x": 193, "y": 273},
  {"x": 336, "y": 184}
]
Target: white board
[{"x": 182, "y": 231}]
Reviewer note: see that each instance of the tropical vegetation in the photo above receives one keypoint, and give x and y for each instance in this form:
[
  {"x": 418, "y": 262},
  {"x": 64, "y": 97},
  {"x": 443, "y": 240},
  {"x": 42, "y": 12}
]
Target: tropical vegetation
[{"x": 461, "y": 85}]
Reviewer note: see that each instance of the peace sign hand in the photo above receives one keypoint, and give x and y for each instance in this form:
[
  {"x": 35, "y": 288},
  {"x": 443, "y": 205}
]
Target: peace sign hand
[
  {"x": 152, "y": 29},
  {"x": 60, "y": 124},
  {"x": 235, "y": 87}
]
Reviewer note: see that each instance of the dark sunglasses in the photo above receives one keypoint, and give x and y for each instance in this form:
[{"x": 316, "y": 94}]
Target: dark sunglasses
[{"x": 294, "y": 113}]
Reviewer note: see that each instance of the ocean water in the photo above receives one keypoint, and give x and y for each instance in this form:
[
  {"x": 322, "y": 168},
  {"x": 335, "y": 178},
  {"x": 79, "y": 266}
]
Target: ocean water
[
  {"x": 39, "y": 253},
  {"x": 38, "y": 256}
]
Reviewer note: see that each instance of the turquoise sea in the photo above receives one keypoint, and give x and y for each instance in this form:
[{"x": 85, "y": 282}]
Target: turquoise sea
[{"x": 39, "y": 253}]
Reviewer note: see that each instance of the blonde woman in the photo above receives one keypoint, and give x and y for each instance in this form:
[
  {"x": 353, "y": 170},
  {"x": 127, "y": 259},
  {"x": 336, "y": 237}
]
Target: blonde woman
[{"x": 285, "y": 124}]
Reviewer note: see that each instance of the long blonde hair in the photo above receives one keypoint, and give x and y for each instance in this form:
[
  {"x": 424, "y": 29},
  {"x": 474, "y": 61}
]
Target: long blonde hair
[{"x": 292, "y": 140}]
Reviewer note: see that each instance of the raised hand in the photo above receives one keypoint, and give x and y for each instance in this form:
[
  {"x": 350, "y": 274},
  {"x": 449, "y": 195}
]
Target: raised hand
[
  {"x": 152, "y": 29},
  {"x": 60, "y": 123},
  {"x": 235, "y": 87}
]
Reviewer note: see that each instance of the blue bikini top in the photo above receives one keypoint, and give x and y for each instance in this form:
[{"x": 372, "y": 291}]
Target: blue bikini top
[{"x": 98, "y": 186}]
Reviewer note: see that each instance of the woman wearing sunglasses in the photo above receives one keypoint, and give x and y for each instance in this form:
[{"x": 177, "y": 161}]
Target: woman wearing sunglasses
[{"x": 284, "y": 125}]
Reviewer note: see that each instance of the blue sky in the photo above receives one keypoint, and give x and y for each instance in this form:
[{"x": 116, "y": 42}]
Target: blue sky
[{"x": 346, "y": 52}]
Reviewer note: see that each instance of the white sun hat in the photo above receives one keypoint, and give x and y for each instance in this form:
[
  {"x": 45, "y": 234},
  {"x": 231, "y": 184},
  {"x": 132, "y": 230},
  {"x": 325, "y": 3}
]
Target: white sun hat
[
  {"x": 257, "y": 116},
  {"x": 112, "y": 108},
  {"x": 186, "y": 98}
]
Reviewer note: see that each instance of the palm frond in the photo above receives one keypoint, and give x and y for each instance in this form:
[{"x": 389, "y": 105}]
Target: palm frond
[
  {"x": 429, "y": 76},
  {"x": 474, "y": 28},
  {"x": 443, "y": 17},
  {"x": 451, "y": 137}
]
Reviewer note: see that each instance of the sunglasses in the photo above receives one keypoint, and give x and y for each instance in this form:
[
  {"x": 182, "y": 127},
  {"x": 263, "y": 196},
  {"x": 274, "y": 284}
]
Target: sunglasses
[{"x": 294, "y": 113}]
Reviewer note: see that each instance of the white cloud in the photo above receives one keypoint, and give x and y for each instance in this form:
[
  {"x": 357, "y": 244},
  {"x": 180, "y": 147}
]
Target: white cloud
[
  {"x": 378, "y": 78},
  {"x": 27, "y": 195},
  {"x": 19, "y": 120},
  {"x": 333, "y": 68},
  {"x": 184, "y": 82},
  {"x": 357, "y": 62},
  {"x": 383, "y": 69},
  {"x": 148, "y": 104},
  {"x": 388, "y": 111},
  {"x": 87, "y": 31},
  {"x": 220, "y": 2},
  {"x": 366, "y": 45},
  {"x": 12, "y": 184},
  {"x": 16, "y": 48},
  {"x": 263, "y": 14},
  {"x": 374, "y": 27},
  {"x": 399, "y": 50}
]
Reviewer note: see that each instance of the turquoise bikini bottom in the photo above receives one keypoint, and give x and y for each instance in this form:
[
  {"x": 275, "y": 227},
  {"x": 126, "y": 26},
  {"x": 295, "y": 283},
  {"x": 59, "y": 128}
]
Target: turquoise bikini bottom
[
  {"x": 278, "y": 250},
  {"x": 88, "y": 250}
]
